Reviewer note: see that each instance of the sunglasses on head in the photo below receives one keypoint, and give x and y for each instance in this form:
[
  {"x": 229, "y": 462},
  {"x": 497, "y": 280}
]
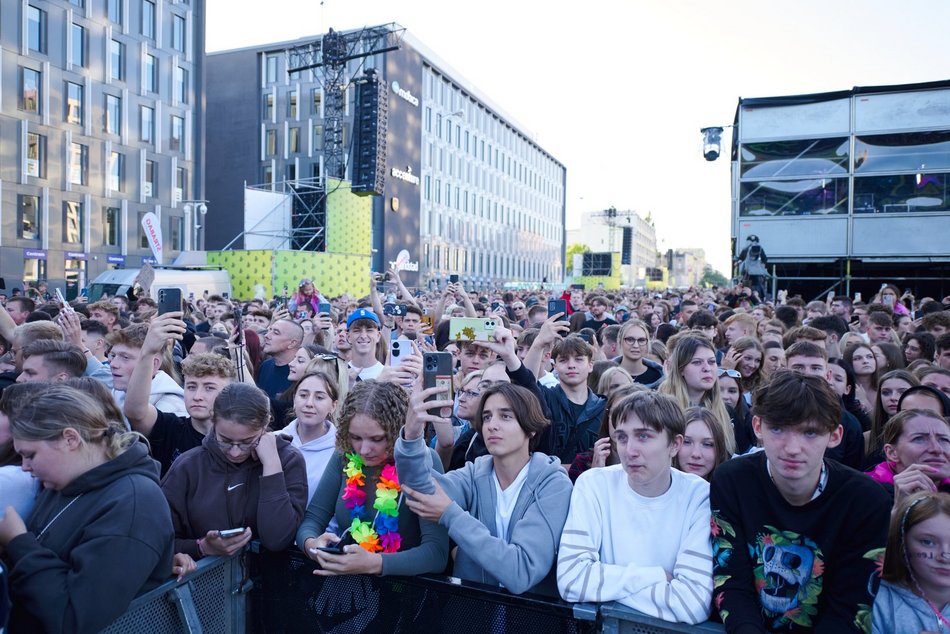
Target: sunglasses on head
[{"x": 730, "y": 373}]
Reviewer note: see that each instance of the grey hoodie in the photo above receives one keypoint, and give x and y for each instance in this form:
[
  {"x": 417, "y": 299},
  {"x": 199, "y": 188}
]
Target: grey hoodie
[
  {"x": 897, "y": 610},
  {"x": 524, "y": 557}
]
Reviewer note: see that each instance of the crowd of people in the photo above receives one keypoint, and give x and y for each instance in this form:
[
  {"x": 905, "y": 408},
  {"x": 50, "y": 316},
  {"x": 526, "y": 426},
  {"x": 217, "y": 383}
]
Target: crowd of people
[{"x": 692, "y": 454}]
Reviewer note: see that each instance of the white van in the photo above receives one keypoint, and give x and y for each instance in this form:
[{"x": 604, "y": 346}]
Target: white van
[{"x": 192, "y": 282}]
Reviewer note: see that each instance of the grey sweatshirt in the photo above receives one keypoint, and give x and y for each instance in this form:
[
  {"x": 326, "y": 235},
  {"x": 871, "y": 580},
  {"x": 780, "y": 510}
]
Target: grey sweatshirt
[
  {"x": 524, "y": 557},
  {"x": 897, "y": 610}
]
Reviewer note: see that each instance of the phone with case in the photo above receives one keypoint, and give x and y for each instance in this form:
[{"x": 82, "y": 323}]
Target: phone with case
[
  {"x": 437, "y": 372},
  {"x": 399, "y": 351},
  {"x": 169, "y": 300},
  {"x": 471, "y": 329}
]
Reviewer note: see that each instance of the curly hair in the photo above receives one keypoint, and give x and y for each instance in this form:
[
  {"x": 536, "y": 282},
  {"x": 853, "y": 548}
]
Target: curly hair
[
  {"x": 384, "y": 402},
  {"x": 207, "y": 364}
]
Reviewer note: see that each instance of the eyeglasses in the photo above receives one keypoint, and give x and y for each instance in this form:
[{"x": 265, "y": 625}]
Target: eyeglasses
[
  {"x": 469, "y": 394},
  {"x": 730, "y": 373},
  {"x": 243, "y": 447},
  {"x": 635, "y": 341}
]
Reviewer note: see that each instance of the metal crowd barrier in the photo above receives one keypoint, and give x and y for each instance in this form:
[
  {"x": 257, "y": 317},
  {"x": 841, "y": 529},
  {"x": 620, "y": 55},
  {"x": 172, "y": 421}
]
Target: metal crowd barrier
[
  {"x": 211, "y": 600},
  {"x": 286, "y": 597}
]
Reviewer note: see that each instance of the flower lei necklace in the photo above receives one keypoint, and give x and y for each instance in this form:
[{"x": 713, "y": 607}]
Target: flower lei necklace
[{"x": 381, "y": 534}]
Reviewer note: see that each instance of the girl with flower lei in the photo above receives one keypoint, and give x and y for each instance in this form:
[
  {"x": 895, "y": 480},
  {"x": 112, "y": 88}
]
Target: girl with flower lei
[{"x": 360, "y": 489}]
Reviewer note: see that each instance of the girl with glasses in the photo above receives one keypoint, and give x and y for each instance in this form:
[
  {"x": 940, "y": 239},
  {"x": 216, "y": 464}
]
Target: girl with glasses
[{"x": 240, "y": 477}]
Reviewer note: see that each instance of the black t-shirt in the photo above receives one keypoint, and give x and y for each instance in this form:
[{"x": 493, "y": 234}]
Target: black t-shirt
[
  {"x": 273, "y": 379},
  {"x": 172, "y": 436},
  {"x": 652, "y": 375},
  {"x": 576, "y": 409},
  {"x": 597, "y": 325}
]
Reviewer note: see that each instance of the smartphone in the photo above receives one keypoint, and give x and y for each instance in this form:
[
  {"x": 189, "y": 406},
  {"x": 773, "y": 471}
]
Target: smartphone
[
  {"x": 494, "y": 306},
  {"x": 437, "y": 372},
  {"x": 302, "y": 314},
  {"x": 857, "y": 297},
  {"x": 427, "y": 323},
  {"x": 471, "y": 329},
  {"x": 324, "y": 308},
  {"x": 396, "y": 310},
  {"x": 454, "y": 278},
  {"x": 169, "y": 300},
  {"x": 230, "y": 532},
  {"x": 399, "y": 351},
  {"x": 337, "y": 548},
  {"x": 556, "y": 306}
]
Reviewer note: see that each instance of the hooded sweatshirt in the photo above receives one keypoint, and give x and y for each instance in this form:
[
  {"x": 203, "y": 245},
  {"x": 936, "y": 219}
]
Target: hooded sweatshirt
[
  {"x": 316, "y": 453},
  {"x": 897, "y": 610},
  {"x": 91, "y": 548},
  {"x": 165, "y": 395},
  {"x": 522, "y": 558},
  {"x": 206, "y": 492}
]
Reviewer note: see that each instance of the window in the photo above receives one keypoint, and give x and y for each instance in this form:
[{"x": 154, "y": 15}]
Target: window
[
  {"x": 268, "y": 176},
  {"x": 902, "y": 193},
  {"x": 178, "y": 134},
  {"x": 143, "y": 239},
  {"x": 117, "y": 58},
  {"x": 115, "y": 11},
  {"x": 271, "y": 143},
  {"x": 181, "y": 85},
  {"x": 111, "y": 226},
  {"x": 902, "y": 152},
  {"x": 113, "y": 114},
  {"x": 151, "y": 174},
  {"x": 117, "y": 172},
  {"x": 28, "y": 217},
  {"x": 294, "y": 140},
  {"x": 178, "y": 33},
  {"x": 315, "y": 169},
  {"x": 318, "y": 137},
  {"x": 292, "y": 104},
  {"x": 74, "y": 102},
  {"x": 269, "y": 106},
  {"x": 148, "y": 19},
  {"x": 79, "y": 45},
  {"x": 780, "y": 159},
  {"x": 814, "y": 196},
  {"x": 36, "y": 29},
  {"x": 271, "y": 62},
  {"x": 147, "y": 124},
  {"x": 29, "y": 90},
  {"x": 151, "y": 73},
  {"x": 35, "y": 155},
  {"x": 317, "y": 100},
  {"x": 176, "y": 233},
  {"x": 291, "y": 171},
  {"x": 181, "y": 184},
  {"x": 79, "y": 3},
  {"x": 78, "y": 163},
  {"x": 72, "y": 222}
]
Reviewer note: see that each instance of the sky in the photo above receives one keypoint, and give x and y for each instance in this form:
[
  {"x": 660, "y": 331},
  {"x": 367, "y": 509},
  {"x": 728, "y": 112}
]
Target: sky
[{"x": 618, "y": 91}]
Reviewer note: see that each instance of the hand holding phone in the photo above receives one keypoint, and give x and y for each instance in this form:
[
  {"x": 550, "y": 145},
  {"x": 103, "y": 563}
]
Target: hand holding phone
[
  {"x": 230, "y": 532},
  {"x": 337, "y": 548},
  {"x": 62, "y": 300}
]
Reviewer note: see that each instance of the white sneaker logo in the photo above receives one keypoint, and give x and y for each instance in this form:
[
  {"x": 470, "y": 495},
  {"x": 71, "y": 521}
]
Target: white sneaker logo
[{"x": 234, "y": 486}]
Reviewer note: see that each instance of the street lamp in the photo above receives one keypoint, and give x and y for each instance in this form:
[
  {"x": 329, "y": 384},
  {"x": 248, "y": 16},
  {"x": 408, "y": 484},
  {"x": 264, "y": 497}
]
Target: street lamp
[{"x": 196, "y": 209}]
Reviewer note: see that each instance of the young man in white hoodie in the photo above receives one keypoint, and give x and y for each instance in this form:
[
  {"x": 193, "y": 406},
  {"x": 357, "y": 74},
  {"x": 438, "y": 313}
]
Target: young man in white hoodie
[{"x": 164, "y": 393}]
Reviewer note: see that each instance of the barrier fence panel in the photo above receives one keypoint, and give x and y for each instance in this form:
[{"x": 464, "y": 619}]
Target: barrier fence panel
[
  {"x": 618, "y": 619},
  {"x": 292, "y": 599},
  {"x": 210, "y": 600}
]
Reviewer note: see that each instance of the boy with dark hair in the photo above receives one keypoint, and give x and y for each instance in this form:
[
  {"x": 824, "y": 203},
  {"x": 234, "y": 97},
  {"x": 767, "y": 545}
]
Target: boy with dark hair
[
  {"x": 574, "y": 410},
  {"x": 880, "y": 327},
  {"x": 598, "y": 311},
  {"x": 637, "y": 532},
  {"x": 523, "y": 345},
  {"x": 834, "y": 328},
  {"x": 50, "y": 360},
  {"x": 796, "y": 537},
  {"x": 942, "y": 356}
]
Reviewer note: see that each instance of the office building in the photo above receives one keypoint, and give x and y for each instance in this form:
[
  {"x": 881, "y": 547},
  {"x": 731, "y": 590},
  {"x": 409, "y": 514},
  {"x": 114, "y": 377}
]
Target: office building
[
  {"x": 467, "y": 189},
  {"x": 623, "y": 232},
  {"x": 100, "y": 123}
]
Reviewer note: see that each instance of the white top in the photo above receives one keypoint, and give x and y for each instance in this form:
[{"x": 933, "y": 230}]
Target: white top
[
  {"x": 505, "y": 500},
  {"x": 548, "y": 380},
  {"x": 619, "y": 546},
  {"x": 370, "y": 373},
  {"x": 316, "y": 453},
  {"x": 18, "y": 489}
]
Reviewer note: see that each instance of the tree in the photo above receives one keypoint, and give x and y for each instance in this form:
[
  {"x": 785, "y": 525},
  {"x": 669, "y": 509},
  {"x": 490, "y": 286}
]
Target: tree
[
  {"x": 576, "y": 248},
  {"x": 712, "y": 277}
]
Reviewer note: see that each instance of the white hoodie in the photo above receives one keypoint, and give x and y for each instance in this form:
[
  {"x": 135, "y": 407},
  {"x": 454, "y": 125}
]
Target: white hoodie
[
  {"x": 316, "y": 453},
  {"x": 165, "y": 395}
]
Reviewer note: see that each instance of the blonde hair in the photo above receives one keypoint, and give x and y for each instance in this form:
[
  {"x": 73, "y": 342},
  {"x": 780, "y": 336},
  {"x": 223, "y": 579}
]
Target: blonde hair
[
  {"x": 60, "y": 407},
  {"x": 675, "y": 385}
]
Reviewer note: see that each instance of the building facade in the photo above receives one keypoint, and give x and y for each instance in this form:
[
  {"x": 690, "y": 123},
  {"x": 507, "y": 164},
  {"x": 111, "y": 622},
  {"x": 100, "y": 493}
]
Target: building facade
[
  {"x": 603, "y": 233},
  {"x": 100, "y": 123},
  {"x": 685, "y": 266},
  {"x": 467, "y": 190}
]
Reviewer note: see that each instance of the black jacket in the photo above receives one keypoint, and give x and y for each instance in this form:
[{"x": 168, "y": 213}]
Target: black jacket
[
  {"x": 91, "y": 548},
  {"x": 565, "y": 437}
]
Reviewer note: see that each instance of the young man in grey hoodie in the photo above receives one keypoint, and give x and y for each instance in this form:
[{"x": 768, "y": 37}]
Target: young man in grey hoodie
[{"x": 505, "y": 510}]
